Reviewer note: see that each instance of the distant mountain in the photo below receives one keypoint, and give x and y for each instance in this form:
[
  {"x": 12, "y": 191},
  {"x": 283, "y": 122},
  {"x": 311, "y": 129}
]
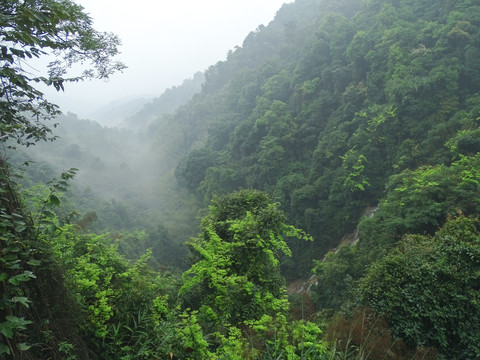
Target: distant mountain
[
  {"x": 138, "y": 112},
  {"x": 114, "y": 113},
  {"x": 166, "y": 103}
]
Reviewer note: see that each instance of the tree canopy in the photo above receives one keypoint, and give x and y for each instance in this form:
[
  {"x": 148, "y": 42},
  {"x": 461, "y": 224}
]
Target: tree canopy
[
  {"x": 427, "y": 287},
  {"x": 236, "y": 268},
  {"x": 58, "y": 30},
  {"x": 357, "y": 121}
]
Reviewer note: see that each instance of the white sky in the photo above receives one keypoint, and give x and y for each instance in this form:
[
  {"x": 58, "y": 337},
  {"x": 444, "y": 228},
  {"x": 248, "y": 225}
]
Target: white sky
[{"x": 163, "y": 43}]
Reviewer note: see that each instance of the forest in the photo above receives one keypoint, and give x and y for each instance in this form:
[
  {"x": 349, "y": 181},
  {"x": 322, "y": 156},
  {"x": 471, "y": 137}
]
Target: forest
[{"x": 315, "y": 195}]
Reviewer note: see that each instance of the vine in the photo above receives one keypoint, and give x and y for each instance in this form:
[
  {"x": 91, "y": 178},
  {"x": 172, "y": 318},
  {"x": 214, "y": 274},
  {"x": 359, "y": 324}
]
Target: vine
[{"x": 19, "y": 254}]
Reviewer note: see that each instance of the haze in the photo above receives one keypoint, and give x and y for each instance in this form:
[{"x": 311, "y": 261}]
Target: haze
[{"x": 163, "y": 43}]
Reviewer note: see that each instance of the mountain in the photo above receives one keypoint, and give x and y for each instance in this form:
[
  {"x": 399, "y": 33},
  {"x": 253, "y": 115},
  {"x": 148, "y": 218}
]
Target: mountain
[
  {"x": 321, "y": 107},
  {"x": 167, "y": 103},
  {"x": 334, "y": 110},
  {"x": 114, "y": 113}
]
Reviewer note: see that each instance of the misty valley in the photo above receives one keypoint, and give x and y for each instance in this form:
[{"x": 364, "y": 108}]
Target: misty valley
[{"x": 315, "y": 195}]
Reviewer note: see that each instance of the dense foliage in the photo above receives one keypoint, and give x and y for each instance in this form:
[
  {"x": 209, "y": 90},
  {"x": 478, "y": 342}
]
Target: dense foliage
[
  {"x": 363, "y": 99},
  {"x": 236, "y": 269},
  {"x": 339, "y": 117},
  {"x": 428, "y": 289}
]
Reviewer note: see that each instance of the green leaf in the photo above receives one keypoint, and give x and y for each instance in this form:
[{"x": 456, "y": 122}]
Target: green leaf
[
  {"x": 20, "y": 229},
  {"x": 22, "y": 300},
  {"x": 23, "y": 346},
  {"x": 3, "y": 276},
  {"x": 6, "y": 329},
  {"x": 4, "y": 349},
  {"x": 17, "y": 52},
  {"x": 51, "y": 228},
  {"x": 19, "y": 323},
  {"x": 14, "y": 265},
  {"x": 12, "y": 249},
  {"x": 11, "y": 257},
  {"x": 26, "y": 276},
  {"x": 14, "y": 281},
  {"x": 54, "y": 200},
  {"x": 34, "y": 262}
]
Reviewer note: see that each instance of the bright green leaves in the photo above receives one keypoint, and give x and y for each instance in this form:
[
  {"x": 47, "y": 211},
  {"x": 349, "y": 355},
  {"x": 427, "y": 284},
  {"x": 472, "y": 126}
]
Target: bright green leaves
[
  {"x": 191, "y": 335},
  {"x": 420, "y": 200},
  {"x": 160, "y": 306},
  {"x": 90, "y": 273},
  {"x": 235, "y": 283},
  {"x": 233, "y": 345},
  {"x": 128, "y": 309},
  {"x": 93, "y": 266},
  {"x": 213, "y": 270},
  {"x": 305, "y": 335},
  {"x": 354, "y": 165},
  {"x": 236, "y": 271}
]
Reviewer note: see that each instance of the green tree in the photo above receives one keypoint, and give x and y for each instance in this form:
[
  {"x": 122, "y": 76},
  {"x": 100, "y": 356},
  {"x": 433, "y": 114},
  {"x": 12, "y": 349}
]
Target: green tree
[
  {"x": 16, "y": 230},
  {"x": 234, "y": 295},
  {"x": 419, "y": 201},
  {"x": 428, "y": 289},
  {"x": 236, "y": 268},
  {"x": 30, "y": 30},
  {"x": 192, "y": 169},
  {"x": 124, "y": 304},
  {"x": 44, "y": 29}
]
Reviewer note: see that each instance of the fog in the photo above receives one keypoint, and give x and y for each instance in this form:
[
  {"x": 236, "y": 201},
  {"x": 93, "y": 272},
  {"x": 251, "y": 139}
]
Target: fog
[
  {"x": 163, "y": 43},
  {"x": 126, "y": 177}
]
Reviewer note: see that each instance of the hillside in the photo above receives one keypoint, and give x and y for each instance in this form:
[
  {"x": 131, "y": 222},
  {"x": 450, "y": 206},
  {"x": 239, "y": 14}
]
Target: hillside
[
  {"x": 320, "y": 114},
  {"x": 333, "y": 109},
  {"x": 167, "y": 103}
]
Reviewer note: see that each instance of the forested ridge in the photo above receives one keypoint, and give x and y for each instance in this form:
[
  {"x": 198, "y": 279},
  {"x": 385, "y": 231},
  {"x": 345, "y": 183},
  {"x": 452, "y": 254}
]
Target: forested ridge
[{"x": 182, "y": 247}]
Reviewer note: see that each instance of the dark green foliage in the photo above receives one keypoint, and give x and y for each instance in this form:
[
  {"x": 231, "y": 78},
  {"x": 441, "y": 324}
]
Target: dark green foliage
[
  {"x": 428, "y": 289},
  {"x": 192, "y": 170},
  {"x": 372, "y": 90},
  {"x": 419, "y": 201},
  {"x": 17, "y": 259},
  {"x": 336, "y": 275},
  {"x": 34, "y": 307}
]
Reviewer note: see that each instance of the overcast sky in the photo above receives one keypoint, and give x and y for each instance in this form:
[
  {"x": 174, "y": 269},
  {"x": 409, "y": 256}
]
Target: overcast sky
[{"x": 163, "y": 43}]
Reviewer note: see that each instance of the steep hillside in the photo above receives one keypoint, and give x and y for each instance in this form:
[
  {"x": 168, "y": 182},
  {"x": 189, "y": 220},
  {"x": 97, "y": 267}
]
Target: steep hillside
[
  {"x": 333, "y": 109},
  {"x": 328, "y": 101}
]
